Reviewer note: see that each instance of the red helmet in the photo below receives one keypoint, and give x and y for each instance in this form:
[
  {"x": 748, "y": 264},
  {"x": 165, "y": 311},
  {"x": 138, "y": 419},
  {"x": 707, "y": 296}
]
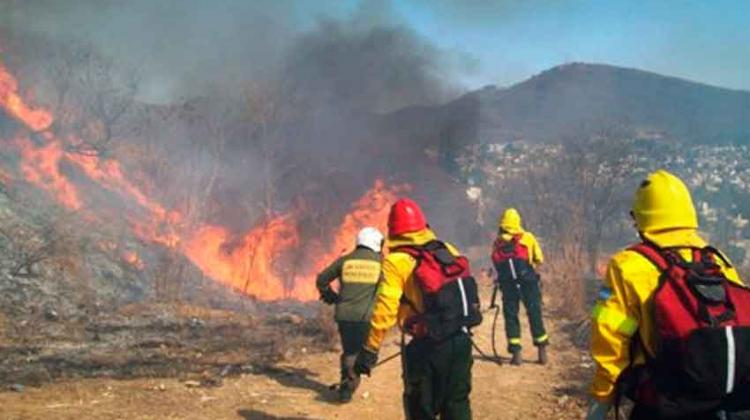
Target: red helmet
[{"x": 405, "y": 217}]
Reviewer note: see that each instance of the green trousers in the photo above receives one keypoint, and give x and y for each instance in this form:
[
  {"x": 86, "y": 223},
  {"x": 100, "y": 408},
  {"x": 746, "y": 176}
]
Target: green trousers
[
  {"x": 524, "y": 290},
  {"x": 437, "y": 379},
  {"x": 353, "y": 335}
]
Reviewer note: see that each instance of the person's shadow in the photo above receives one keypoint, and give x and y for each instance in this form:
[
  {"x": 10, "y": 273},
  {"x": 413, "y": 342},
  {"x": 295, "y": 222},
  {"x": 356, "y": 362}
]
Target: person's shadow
[
  {"x": 292, "y": 377},
  {"x": 259, "y": 415}
]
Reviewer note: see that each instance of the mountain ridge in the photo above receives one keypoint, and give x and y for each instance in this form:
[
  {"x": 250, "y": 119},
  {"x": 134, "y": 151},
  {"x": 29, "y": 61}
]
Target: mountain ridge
[{"x": 581, "y": 99}]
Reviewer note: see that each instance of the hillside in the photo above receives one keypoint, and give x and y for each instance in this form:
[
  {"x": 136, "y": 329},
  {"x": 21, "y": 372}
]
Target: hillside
[{"x": 580, "y": 99}]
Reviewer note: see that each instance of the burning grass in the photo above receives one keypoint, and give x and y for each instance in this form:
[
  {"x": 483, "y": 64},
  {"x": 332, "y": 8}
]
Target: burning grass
[{"x": 275, "y": 259}]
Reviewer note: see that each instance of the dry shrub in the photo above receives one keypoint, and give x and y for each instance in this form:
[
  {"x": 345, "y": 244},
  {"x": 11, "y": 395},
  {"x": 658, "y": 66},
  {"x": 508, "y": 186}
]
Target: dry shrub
[
  {"x": 3, "y": 323},
  {"x": 56, "y": 243},
  {"x": 565, "y": 279},
  {"x": 169, "y": 276}
]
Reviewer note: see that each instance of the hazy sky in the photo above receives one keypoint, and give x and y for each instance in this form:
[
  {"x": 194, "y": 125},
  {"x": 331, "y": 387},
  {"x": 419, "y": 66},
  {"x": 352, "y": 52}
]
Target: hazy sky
[{"x": 494, "y": 42}]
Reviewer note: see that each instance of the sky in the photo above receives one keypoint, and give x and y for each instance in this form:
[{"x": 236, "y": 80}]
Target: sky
[
  {"x": 497, "y": 42},
  {"x": 705, "y": 41}
]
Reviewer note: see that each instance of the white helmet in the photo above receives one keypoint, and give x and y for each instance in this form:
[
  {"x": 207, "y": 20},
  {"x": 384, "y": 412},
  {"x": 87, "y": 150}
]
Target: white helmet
[{"x": 370, "y": 237}]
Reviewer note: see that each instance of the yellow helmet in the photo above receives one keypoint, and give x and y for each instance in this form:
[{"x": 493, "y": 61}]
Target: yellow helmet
[
  {"x": 510, "y": 221},
  {"x": 663, "y": 202}
]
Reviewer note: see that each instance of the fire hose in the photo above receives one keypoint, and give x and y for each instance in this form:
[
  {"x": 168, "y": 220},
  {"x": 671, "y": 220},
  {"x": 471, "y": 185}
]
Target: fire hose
[
  {"x": 496, "y": 357},
  {"x": 496, "y": 307}
]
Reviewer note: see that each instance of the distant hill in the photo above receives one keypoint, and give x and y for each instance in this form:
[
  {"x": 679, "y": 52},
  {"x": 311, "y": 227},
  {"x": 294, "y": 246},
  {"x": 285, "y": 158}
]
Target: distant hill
[{"x": 581, "y": 99}]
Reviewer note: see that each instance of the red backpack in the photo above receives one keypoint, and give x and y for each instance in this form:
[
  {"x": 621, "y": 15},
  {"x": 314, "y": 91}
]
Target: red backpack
[
  {"x": 702, "y": 327},
  {"x": 449, "y": 292},
  {"x": 511, "y": 259},
  {"x": 507, "y": 250}
]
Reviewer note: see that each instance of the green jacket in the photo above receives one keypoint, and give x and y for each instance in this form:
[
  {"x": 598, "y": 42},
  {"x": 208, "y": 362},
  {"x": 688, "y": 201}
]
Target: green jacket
[{"x": 358, "y": 273}]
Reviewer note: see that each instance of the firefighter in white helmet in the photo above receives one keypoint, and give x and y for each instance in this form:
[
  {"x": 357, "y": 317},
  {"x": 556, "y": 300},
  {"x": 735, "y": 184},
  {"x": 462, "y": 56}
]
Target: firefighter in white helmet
[{"x": 358, "y": 273}]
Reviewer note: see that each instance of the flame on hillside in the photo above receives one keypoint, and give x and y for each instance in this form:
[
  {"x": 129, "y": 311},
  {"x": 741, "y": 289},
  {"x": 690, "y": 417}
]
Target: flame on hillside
[
  {"x": 14, "y": 105},
  {"x": 40, "y": 166},
  {"x": 268, "y": 261}
]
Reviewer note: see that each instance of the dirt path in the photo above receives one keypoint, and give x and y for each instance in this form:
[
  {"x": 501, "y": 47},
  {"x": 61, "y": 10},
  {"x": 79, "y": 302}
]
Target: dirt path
[{"x": 299, "y": 390}]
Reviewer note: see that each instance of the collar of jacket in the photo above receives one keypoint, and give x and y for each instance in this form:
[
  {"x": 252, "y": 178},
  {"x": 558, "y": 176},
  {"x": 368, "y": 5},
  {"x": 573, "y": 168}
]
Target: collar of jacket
[
  {"x": 420, "y": 237},
  {"x": 508, "y": 234},
  {"x": 675, "y": 238}
]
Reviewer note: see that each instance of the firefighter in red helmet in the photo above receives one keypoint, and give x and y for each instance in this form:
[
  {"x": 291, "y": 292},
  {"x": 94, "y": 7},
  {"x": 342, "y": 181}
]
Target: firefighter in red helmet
[{"x": 436, "y": 371}]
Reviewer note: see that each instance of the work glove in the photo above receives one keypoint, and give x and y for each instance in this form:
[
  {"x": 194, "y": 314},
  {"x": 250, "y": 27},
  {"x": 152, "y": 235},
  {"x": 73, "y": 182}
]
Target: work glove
[
  {"x": 366, "y": 361},
  {"x": 329, "y": 297},
  {"x": 597, "y": 410}
]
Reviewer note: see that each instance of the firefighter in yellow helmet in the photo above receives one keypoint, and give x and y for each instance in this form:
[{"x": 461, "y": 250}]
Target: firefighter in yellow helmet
[
  {"x": 516, "y": 254},
  {"x": 623, "y": 335}
]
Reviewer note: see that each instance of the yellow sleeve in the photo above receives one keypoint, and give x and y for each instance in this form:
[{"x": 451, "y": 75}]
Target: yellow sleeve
[
  {"x": 614, "y": 322},
  {"x": 535, "y": 251},
  {"x": 388, "y": 299}
]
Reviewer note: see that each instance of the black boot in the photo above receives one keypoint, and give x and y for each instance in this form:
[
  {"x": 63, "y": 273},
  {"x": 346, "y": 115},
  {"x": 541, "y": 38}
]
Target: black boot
[
  {"x": 517, "y": 358},
  {"x": 542, "y": 349},
  {"x": 346, "y": 390},
  {"x": 349, "y": 380}
]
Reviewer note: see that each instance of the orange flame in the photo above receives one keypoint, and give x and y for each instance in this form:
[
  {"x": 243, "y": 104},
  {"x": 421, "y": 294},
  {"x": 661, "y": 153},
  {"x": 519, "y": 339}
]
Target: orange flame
[
  {"x": 251, "y": 266},
  {"x": 13, "y": 104},
  {"x": 109, "y": 174},
  {"x": 247, "y": 267},
  {"x": 41, "y": 167},
  {"x": 267, "y": 262}
]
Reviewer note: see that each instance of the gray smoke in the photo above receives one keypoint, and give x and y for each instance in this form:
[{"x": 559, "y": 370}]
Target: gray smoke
[
  {"x": 184, "y": 47},
  {"x": 375, "y": 69},
  {"x": 328, "y": 69}
]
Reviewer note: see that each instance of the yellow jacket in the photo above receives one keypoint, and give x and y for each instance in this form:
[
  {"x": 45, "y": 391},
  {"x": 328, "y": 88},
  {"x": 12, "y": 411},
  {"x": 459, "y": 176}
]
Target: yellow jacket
[
  {"x": 623, "y": 308},
  {"x": 529, "y": 241},
  {"x": 397, "y": 280}
]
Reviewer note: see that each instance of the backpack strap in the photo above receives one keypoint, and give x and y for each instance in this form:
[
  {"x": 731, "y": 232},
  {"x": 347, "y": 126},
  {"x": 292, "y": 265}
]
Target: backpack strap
[
  {"x": 713, "y": 252},
  {"x": 438, "y": 250},
  {"x": 652, "y": 253},
  {"x": 417, "y": 251},
  {"x": 411, "y": 250},
  {"x": 663, "y": 259},
  {"x": 433, "y": 245}
]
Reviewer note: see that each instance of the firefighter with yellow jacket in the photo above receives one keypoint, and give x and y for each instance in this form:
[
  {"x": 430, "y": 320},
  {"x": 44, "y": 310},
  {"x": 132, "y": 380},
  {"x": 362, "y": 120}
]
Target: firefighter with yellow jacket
[
  {"x": 516, "y": 255},
  {"x": 625, "y": 336},
  {"x": 436, "y": 364}
]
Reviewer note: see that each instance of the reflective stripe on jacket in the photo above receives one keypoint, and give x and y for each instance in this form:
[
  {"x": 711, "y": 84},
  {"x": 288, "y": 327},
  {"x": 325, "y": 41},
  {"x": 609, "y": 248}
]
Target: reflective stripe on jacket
[{"x": 623, "y": 308}]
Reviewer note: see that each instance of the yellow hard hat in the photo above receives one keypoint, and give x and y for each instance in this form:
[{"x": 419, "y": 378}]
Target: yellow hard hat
[
  {"x": 663, "y": 202},
  {"x": 510, "y": 221}
]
